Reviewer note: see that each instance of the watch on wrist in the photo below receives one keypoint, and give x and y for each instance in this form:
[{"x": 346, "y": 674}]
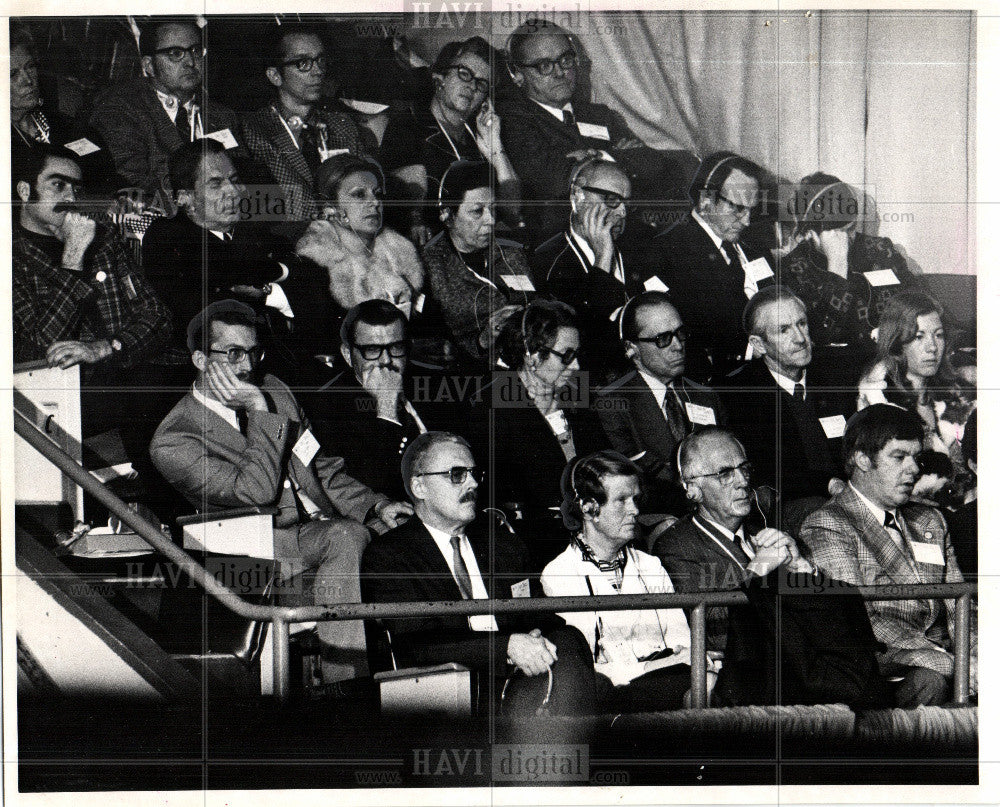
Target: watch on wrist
[{"x": 116, "y": 345}]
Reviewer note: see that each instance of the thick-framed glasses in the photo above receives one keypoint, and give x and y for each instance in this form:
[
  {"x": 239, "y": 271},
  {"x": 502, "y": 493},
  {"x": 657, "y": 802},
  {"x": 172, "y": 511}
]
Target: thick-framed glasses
[
  {"x": 305, "y": 63},
  {"x": 566, "y": 357},
  {"x": 728, "y": 475},
  {"x": 468, "y": 77},
  {"x": 611, "y": 200},
  {"x": 738, "y": 209},
  {"x": 544, "y": 67},
  {"x": 177, "y": 54},
  {"x": 374, "y": 350},
  {"x": 457, "y": 474},
  {"x": 235, "y": 355},
  {"x": 665, "y": 339}
]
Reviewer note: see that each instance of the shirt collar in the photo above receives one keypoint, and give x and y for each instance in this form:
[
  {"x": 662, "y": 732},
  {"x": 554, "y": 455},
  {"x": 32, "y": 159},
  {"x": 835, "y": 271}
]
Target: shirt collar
[
  {"x": 581, "y": 244},
  {"x": 657, "y": 387},
  {"x": 223, "y": 411},
  {"x": 786, "y": 383},
  {"x": 171, "y": 104},
  {"x": 554, "y": 111},
  {"x": 732, "y": 536},
  {"x": 708, "y": 229},
  {"x": 876, "y": 511}
]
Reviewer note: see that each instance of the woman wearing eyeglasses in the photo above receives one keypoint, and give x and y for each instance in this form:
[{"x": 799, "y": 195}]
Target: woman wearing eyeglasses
[
  {"x": 458, "y": 124},
  {"x": 541, "y": 420},
  {"x": 472, "y": 274}
]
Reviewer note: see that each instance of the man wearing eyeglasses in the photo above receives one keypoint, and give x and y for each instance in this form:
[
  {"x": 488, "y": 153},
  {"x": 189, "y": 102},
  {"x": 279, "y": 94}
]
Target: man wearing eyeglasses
[
  {"x": 290, "y": 138},
  {"x": 710, "y": 270},
  {"x": 142, "y": 122},
  {"x": 650, "y": 409},
  {"x": 238, "y": 440},
  {"x": 444, "y": 553}
]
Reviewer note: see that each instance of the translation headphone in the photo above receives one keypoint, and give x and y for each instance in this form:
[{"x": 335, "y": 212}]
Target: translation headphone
[
  {"x": 716, "y": 167},
  {"x": 589, "y": 507},
  {"x": 621, "y": 318}
]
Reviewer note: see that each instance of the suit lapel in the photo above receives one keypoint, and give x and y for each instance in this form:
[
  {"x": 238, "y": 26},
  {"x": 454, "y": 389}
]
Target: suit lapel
[
  {"x": 287, "y": 150},
  {"x": 166, "y": 131},
  {"x": 879, "y": 543},
  {"x": 439, "y": 573},
  {"x": 650, "y": 420}
]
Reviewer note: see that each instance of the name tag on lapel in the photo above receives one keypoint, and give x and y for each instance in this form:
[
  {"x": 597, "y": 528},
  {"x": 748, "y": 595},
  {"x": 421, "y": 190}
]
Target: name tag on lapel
[
  {"x": 225, "y": 137},
  {"x": 82, "y": 147},
  {"x": 834, "y": 426},
  {"x": 593, "y": 130},
  {"x": 759, "y": 269},
  {"x": 518, "y": 282},
  {"x": 306, "y": 447},
  {"x": 882, "y": 277},
  {"x": 927, "y": 553},
  {"x": 655, "y": 284},
  {"x": 483, "y": 622},
  {"x": 700, "y": 415},
  {"x": 522, "y": 589}
]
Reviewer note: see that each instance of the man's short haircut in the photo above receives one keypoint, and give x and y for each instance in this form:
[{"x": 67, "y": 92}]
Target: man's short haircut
[
  {"x": 715, "y": 170},
  {"x": 20, "y": 36},
  {"x": 476, "y": 46},
  {"x": 869, "y": 430},
  {"x": 185, "y": 163},
  {"x": 764, "y": 297},
  {"x": 583, "y": 172},
  {"x": 149, "y": 31},
  {"x": 630, "y": 312},
  {"x": 29, "y": 166},
  {"x": 689, "y": 450},
  {"x": 413, "y": 458},
  {"x": 461, "y": 177},
  {"x": 228, "y": 312},
  {"x": 370, "y": 312},
  {"x": 274, "y": 53},
  {"x": 522, "y": 34}
]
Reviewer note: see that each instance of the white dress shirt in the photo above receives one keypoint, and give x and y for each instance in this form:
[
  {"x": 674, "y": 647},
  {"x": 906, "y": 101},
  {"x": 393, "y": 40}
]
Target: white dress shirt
[
  {"x": 223, "y": 411},
  {"x": 580, "y": 243},
  {"x": 787, "y": 384},
  {"x": 481, "y": 622}
]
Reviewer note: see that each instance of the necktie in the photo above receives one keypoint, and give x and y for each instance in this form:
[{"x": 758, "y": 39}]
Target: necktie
[
  {"x": 893, "y": 528},
  {"x": 243, "y": 420},
  {"x": 799, "y": 392},
  {"x": 675, "y": 415},
  {"x": 183, "y": 124},
  {"x": 461, "y": 570},
  {"x": 569, "y": 120},
  {"x": 309, "y": 145},
  {"x": 730, "y": 253}
]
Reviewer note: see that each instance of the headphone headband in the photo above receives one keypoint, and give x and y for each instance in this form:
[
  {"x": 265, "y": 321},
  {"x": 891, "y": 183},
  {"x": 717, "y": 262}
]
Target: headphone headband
[
  {"x": 621, "y": 318},
  {"x": 824, "y": 189},
  {"x": 717, "y": 166}
]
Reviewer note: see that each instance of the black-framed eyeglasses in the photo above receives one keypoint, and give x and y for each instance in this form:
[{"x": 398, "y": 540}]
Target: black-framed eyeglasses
[
  {"x": 457, "y": 474},
  {"x": 728, "y": 475},
  {"x": 544, "y": 67},
  {"x": 468, "y": 77},
  {"x": 611, "y": 199},
  {"x": 566, "y": 357},
  {"x": 176, "y": 54},
  {"x": 374, "y": 350},
  {"x": 665, "y": 339},
  {"x": 235, "y": 355},
  {"x": 738, "y": 209},
  {"x": 305, "y": 63}
]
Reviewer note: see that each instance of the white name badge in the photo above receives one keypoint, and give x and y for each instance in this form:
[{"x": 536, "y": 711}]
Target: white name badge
[
  {"x": 518, "y": 282},
  {"x": 326, "y": 154},
  {"x": 83, "y": 147},
  {"x": 225, "y": 137},
  {"x": 834, "y": 426},
  {"x": 306, "y": 447},
  {"x": 759, "y": 270},
  {"x": 700, "y": 415},
  {"x": 655, "y": 284},
  {"x": 418, "y": 304},
  {"x": 882, "y": 277},
  {"x": 483, "y": 622},
  {"x": 522, "y": 589},
  {"x": 593, "y": 130},
  {"x": 928, "y": 553}
]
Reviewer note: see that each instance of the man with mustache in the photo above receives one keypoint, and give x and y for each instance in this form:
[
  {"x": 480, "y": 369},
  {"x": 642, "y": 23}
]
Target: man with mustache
[
  {"x": 443, "y": 553},
  {"x": 869, "y": 534},
  {"x": 236, "y": 440},
  {"x": 792, "y": 425}
]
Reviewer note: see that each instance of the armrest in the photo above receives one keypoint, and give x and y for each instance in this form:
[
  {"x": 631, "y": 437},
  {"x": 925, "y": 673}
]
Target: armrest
[{"x": 222, "y": 515}]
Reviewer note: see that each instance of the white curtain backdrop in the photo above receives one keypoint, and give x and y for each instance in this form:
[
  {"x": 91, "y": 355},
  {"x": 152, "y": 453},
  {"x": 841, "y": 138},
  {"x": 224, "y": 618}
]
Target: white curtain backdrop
[{"x": 882, "y": 99}]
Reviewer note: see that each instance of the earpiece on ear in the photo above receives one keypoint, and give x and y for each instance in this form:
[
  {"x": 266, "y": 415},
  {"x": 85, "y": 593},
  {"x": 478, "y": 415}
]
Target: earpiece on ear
[{"x": 590, "y": 508}]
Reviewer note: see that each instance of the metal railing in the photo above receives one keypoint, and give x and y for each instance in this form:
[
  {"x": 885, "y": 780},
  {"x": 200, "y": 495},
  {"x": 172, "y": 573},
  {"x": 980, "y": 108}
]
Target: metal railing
[{"x": 280, "y": 617}]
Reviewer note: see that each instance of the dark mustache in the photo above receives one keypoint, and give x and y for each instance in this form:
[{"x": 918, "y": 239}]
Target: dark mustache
[{"x": 470, "y": 496}]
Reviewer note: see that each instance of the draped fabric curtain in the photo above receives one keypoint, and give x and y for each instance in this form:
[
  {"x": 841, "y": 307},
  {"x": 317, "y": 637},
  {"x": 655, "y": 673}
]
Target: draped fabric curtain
[{"x": 882, "y": 99}]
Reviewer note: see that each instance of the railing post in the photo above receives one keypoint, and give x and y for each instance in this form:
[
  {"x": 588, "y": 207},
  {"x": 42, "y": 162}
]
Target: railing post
[
  {"x": 963, "y": 614},
  {"x": 280, "y": 628},
  {"x": 699, "y": 672}
]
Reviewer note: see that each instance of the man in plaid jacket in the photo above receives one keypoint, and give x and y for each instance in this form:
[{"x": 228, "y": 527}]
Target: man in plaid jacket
[
  {"x": 870, "y": 535},
  {"x": 77, "y": 295}
]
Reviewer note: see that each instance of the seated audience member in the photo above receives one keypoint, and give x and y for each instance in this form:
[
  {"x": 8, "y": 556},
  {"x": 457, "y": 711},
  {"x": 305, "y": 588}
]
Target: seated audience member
[
  {"x": 295, "y": 134},
  {"x": 642, "y": 659},
  {"x": 143, "y": 121},
  {"x": 963, "y": 523},
  {"x": 647, "y": 412},
  {"x": 459, "y": 124},
  {"x": 206, "y": 252},
  {"x": 78, "y": 297},
  {"x": 723, "y": 542},
  {"x": 912, "y": 369},
  {"x": 540, "y": 407},
  {"x": 351, "y": 256},
  {"x": 710, "y": 271},
  {"x": 471, "y": 272},
  {"x": 792, "y": 427},
  {"x": 869, "y": 534},
  {"x": 237, "y": 439},
  {"x": 444, "y": 553},
  {"x": 844, "y": 277},
  {"x": 31, "y": 120}
]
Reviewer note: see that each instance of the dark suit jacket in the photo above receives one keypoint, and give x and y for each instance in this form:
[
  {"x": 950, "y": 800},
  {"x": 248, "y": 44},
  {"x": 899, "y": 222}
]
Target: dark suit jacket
[
  {"x": 405, "y": 565},
  {"x": 760, "y": 413},
  {"x": 637, "y": 427},
  {"x": 135, "y": 128},
  {"x": 707, "y": 292}
]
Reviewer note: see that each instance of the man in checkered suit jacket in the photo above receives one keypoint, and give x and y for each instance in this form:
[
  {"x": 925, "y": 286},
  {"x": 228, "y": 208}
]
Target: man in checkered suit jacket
[{"x": 870, "y": 535}]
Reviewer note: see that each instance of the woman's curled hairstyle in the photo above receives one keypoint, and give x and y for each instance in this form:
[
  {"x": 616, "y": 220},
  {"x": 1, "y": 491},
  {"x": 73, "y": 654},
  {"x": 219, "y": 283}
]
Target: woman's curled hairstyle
[{"x": 531, "y": 329}]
